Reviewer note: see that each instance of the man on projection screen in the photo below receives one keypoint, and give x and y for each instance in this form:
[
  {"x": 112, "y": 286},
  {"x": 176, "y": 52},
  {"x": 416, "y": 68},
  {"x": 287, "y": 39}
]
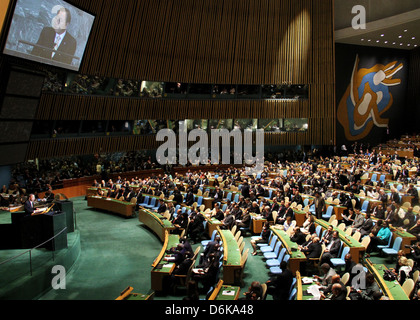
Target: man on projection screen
[{"x": 55, "y": 42}]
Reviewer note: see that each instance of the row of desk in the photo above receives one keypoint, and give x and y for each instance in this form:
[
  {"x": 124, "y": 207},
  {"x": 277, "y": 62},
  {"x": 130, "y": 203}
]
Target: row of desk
[
  {"x": 296, "y": 256},
  {"x": 357, "y": 250},
  {"x": 155, "y": 222},
  {"x": 232, "y": 258},
  {"x": 161, "y": 268},
  {"x": 124, "y": 208},
  {"x": 392, "y": 289}
]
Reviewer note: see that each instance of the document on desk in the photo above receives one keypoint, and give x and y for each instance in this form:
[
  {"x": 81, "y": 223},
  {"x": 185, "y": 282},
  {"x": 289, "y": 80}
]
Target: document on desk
[
  {"x": 198, "y": 270},
  {"x": 170, "y": 258},
  {"x": 228, "y": 292},
  {"x": 314, "y": 290},
  {"x": 307, "y": 280},
  {"x": 168, "y": 265}
]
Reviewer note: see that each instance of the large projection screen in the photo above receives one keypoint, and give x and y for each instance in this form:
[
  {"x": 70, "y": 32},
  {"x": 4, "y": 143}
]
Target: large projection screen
[{"x": 52, "y": 32}]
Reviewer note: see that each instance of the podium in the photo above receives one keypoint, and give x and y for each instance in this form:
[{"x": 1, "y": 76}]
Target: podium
[
  {"x": 66, "y": 206},
  {"x": 31, "y": 231}
]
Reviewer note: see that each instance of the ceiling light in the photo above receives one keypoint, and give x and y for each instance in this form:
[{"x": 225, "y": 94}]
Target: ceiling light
[
  {"x": 405, "y": 30},
  {"x": 362, "y": 39},
  {"x": 401, "y": 44},
  {"x": 369, "y": 40},
  {"x": 386, "y": 41},
  {"x": 413, "y": 38},
  {"x": 377, "y": 40},
  {"x": 393, "y": 43},
  {"x": 408, "y": 45},
  {"x": 382, "y": 35},
  {"x": 400, "y": 37}
]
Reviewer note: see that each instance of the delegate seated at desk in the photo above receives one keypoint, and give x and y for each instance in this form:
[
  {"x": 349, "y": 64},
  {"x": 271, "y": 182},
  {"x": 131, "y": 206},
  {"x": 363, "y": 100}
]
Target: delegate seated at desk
[
  {"x": 177, "y": 254},
  {"x": 332, "y": 249},
  {"x": 180, "y": 222},
  {"x": 312, "y": 250},
  {"x": 207, "y": 276},
  {"x": 381, "y": 238}
]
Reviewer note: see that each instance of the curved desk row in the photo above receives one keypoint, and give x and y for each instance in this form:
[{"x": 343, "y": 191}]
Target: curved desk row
[
  {"x": 162, "y": 228},
  {"x": 296, "y": 256},
  {"x": 356, "y": 248},
  {"x": 155, "y": 222},
  {"x": 233, "y": 263},
  {"x": 124, "y": 208},
  {"x": 212, "y": 224},
  {"x": 160, "y": 267},
  {"x": 407, "y": 238},
  {"x": 390, "y": 288},
  {"x": 338, "y": 209}
]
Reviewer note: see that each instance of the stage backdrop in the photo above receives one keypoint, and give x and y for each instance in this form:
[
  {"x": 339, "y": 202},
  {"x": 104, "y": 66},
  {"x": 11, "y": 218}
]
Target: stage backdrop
[{"x": 371, "y": 86}]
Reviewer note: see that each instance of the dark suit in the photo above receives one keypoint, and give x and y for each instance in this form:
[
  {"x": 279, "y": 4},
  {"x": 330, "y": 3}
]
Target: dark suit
[
  {"x": 209, "y": 278},
  {"x": 366, "y": 227},
  {"x": 29, "y": 208},
  {"x": 334, "y": 249},
  {"x": 245, "y": 222},
  {"x": 219, "y": 215},
  {"x": 245, "y": 190},
  {"x": 46, "y": 39},
  {"x": 228, "y": 222},
  {"x": 275, "y": 207},
  {"x": 218, "y": 196},
  {"x": 313, "y": 250},
  {"x": 320, "y": 207},
  {"x": 177, "y": 197},
  {"x": 189, "y": 199},
  {"x": 298, "y": 237},
  {"x": 162, "y": 208},
  {"x": 378, "y": 213},
  {"x": 279, "y": 287}
]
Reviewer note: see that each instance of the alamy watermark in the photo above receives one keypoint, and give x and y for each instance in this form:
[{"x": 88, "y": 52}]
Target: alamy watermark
[
  {"x": 359, "y": 20},
  {"x": 171, "y": 153},
  {"x": 358, "y": 281},
  {"x": 59, "y": 281}
]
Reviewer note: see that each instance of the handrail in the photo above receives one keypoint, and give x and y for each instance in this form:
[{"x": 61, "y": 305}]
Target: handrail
[
  {"x": 30, "y": 251},
  {"x": 5, "y": 261}
]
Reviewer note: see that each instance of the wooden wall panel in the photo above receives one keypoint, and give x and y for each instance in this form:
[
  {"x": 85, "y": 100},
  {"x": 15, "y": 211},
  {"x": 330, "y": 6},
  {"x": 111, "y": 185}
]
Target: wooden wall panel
[
  {"x": 216, "y": 42},
  {"x": 74, "y": 107},
  {"x": 413, "y": 93}
]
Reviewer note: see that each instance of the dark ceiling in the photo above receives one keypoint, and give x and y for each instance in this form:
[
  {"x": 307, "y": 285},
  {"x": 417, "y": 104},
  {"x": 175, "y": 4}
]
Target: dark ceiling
[{"x": 389, "y": 23}]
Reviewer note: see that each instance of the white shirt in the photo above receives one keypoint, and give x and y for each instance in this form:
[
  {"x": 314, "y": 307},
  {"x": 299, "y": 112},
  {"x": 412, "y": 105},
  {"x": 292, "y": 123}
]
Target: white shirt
[{"x": 58, "y": 39}]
